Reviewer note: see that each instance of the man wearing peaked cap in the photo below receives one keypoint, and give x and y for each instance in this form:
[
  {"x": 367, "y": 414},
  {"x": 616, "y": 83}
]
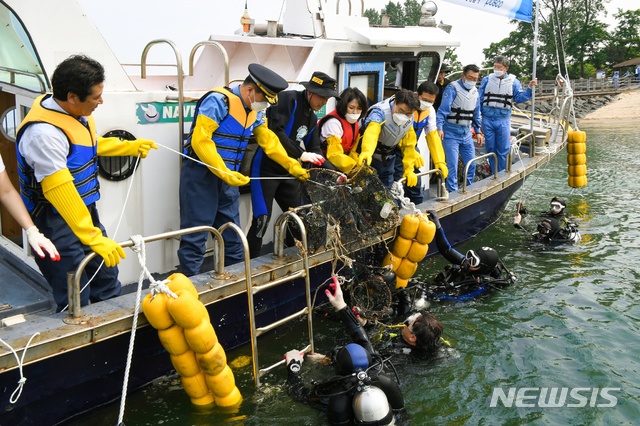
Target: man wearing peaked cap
[
  {"x": 225, "y": 119},
  {"x": 268, "y": 82},
  {"x": 294, "y": 122}
]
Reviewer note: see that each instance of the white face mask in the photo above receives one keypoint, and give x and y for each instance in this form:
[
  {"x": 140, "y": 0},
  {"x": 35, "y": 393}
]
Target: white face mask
[
  {"x": 352, "y": 118},
  {"x": 258, "y": 106},
  {"x": 400, "y": 119},
  {"x": 469, "y": 84},
  {"x": 498, "y": 73},
  {"x": 424, "y": 105}
]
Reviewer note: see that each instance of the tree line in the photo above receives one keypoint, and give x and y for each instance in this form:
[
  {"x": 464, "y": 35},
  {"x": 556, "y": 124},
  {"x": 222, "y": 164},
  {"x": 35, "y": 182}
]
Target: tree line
[{"x": 572, "y": 38}]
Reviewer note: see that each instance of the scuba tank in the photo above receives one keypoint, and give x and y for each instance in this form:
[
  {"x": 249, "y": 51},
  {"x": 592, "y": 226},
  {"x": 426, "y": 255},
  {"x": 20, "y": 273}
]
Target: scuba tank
[{"x": 370, "y": 404}]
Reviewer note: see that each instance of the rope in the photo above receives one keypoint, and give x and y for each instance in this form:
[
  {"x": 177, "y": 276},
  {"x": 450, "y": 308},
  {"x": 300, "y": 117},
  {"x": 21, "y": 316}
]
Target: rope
[
  {"x": 226, "y": 171},
  {"x": 397, "y": 191},
  {"x": 156, "y": 287},
  {"x": 20, "y": 361}
]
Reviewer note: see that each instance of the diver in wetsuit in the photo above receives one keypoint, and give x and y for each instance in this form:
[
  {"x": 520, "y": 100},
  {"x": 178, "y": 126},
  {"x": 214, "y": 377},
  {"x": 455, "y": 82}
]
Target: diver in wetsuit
[
  {"x": 555, "y": 228},
  {"x": 360, "y": 393},
  {"x": 467, "y": 276}
]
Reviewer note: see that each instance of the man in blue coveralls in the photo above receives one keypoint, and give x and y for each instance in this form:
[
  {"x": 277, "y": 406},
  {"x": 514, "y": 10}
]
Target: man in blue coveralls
[
  {"x": 224, "y": 121},
  {"x": 497, "y": 93},
  {"x": 459, "y": 111}
]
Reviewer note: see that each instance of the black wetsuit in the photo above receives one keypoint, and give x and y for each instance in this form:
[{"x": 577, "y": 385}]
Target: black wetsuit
[{"x": 335, "y": 394}]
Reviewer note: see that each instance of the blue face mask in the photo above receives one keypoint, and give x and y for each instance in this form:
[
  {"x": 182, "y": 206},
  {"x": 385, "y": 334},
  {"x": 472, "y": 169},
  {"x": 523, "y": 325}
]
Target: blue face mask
[{"x": 469, "y": 84}]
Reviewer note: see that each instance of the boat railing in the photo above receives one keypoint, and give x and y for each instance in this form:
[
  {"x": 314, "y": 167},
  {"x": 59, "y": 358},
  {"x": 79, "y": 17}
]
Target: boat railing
[
  {"x": 436, "y": 172},
  {"x": 361, "y": 7},
  {"x": 74, "y": 277},
  {"x": 225, "y": 55},
  {"x": 143, "y": 75},
  {"x": 279, "y": 236},
  {"x": 480, "y": 157},
  {"x": 12, "y": 78}
]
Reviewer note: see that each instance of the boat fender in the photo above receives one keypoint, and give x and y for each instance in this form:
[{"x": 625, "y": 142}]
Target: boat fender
[
  {"x": 187, "y": 310},
  {"x": 401, "y": 282},
  {"x": 577, "y": 181},
  {"x": 392, "y": 260},
  {"x": 233, "y": 399},
  {"x": 195, "y": 386},
  {"x": 213, "y": 361},
  {"x": 426, "y": 230},
  {"x": 409, "y": 226},
  {"x": 201, "y": 338},
  {"x": 580, "y": 170},
  {"x": 576, "y": 159},
  {"x": 407, "y": 269},
  {"x": 185, "y": 364},
  {"x": 417, "y": 252},
  {"x": 221, "y": 384},
  {"x": 401, "y": 246},
  {"x": 577, "y": 136},
  {"x": 173, "y": 340},
  {"x": 155, "y": 310},
  {"x": 577, "y": 148},
  {"x": 179, "y": 282}
]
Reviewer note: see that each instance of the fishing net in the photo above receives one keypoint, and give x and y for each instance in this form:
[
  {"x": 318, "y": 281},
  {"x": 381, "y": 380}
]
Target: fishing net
[{"x": 340, "y": 212}]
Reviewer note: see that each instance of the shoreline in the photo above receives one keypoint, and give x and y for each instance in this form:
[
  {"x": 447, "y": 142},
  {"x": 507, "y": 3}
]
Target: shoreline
[{"x": 625, "y": 107}]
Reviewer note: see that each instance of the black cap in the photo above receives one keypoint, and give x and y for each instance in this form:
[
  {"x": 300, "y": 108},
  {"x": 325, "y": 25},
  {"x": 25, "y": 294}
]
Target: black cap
[
  {"x": 322, "y": 85},
  {"x": 267, "y": 81},
  {"x": 444, "y": 68}
]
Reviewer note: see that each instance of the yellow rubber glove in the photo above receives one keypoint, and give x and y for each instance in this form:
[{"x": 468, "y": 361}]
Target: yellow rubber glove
[
  {"x": 437, "y": 152},
  {"x": 205, "y": 148},
  {"x": 271, "y": 145},
  {"x": 419, "y": 161},
  {"x": 369, "y": 142},
  {"x": 412, "y": 178},
  {"x": 336, "y": 155},
  {"x": 59, "y": 190},
  {"x": 112, "y": 147},
  {"x": 407, "y": 146}
]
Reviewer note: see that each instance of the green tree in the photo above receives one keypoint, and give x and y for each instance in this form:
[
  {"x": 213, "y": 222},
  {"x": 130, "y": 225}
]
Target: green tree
[
  {"x": 373, "y": 15},
  {"x": 625, "y": 42},
  {"x": 412, "y": 12},
  {"x": 451, "y": 59}
]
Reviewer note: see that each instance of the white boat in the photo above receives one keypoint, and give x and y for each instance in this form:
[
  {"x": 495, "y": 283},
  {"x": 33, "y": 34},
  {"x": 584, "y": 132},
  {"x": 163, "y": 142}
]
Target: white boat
[{"x": 72, "y": 356}]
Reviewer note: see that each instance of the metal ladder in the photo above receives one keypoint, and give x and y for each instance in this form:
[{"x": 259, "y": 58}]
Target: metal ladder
[{"x": 279, "y": 234}]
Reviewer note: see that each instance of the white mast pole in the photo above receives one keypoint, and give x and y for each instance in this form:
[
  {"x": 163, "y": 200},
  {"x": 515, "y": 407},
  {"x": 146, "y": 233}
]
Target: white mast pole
[{"x": 533, "y": 73}]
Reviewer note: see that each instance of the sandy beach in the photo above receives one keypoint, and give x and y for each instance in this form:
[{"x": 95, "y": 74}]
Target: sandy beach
[{"x": 625, "y": 107}]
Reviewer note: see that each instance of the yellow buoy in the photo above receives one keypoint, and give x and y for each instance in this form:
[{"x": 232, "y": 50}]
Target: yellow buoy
[
  {"x": 155, "y": 310},
  {"x": 195, "y": 386},
  {"x": 186, "y": 310},
  {"x": 393, "y": 260},
  {"x": 417, "y": 252},
  {"x": 407, "y": 269},
  {"x": 233, "y": 398},
  {"x": 409, "y": 226},
  {"x": 173, "y": 340},
  {"x": 202, "y": 338},
  {"x": 185, "y": 364},
  {"x": 426, "y": 230},
  {"x": 401, "y": 246},
  {"x": 577, "y": 159},
  {"x": 576, "y": 148},
  {"x": 214, "y": 361},
  {"x": 179, "y": 282},
  {"x": 222, "y": 383},
  {"x": 401, "y": 282}
]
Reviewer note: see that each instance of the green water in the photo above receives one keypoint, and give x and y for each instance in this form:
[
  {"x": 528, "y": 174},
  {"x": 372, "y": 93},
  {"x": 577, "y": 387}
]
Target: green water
[{"x": 571, "y": 321}]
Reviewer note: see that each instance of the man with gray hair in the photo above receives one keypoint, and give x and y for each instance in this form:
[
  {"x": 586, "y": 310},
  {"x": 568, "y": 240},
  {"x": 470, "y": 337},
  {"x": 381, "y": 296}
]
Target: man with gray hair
[{"x": 497, "y": 93}]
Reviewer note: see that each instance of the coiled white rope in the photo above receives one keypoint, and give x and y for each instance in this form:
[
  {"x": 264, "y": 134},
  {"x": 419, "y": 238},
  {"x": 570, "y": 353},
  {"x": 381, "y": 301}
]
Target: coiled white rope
[
  {"x": 397, "y": 191},
  {"x": 20, "y": 361},
  {"x": 156, "y": 287}
]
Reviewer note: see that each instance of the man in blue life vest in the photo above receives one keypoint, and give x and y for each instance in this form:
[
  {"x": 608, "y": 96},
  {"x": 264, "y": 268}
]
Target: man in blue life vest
[
  {"x": 387, "y": 125},
  {"x": 224, "y": 121},
  {"x": 458, "y": 112},
  {"x": 498, "y": 92},
  {"x": 424, "y": 118},
  {"x": 58, "y": 151}
]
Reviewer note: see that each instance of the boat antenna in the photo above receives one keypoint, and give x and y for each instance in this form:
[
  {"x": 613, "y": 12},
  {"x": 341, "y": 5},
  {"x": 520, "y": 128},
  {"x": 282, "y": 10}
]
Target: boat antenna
[{"x": 245, "y": 20}]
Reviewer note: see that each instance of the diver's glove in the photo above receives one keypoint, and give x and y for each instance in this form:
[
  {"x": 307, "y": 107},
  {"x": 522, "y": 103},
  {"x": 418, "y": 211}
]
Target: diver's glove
[
  {"x": 116, "y": 147},
  {"x": 59, "y": 190},
  {"x": 39, "y": 243},
  {"x": 517, "y": 219},
  {"x": 434, "y": 218},
  {"x": 294, "y": 359},
  {"x": 336, "y": 299}
]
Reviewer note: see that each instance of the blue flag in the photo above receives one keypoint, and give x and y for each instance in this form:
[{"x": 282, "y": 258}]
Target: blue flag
[{"x": 515, "y": 9}]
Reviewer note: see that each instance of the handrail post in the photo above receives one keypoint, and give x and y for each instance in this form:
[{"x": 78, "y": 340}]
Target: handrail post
[
  {"x": 222, "y": 50},
  {"x": 473, "y": 160},
  {"x": 143, "y": 75},
  {"x": 73, "y": 292}
]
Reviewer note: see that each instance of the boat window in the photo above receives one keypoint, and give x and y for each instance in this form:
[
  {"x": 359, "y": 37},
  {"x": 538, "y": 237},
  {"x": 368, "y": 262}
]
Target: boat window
[
  {"x": 428, "y": 65},
  {"x": 9, "y": 123},
  {"x": 368, "y": 83},
  {"x": 117, "y": 168},
  {"x": 20, "y": 65}
]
